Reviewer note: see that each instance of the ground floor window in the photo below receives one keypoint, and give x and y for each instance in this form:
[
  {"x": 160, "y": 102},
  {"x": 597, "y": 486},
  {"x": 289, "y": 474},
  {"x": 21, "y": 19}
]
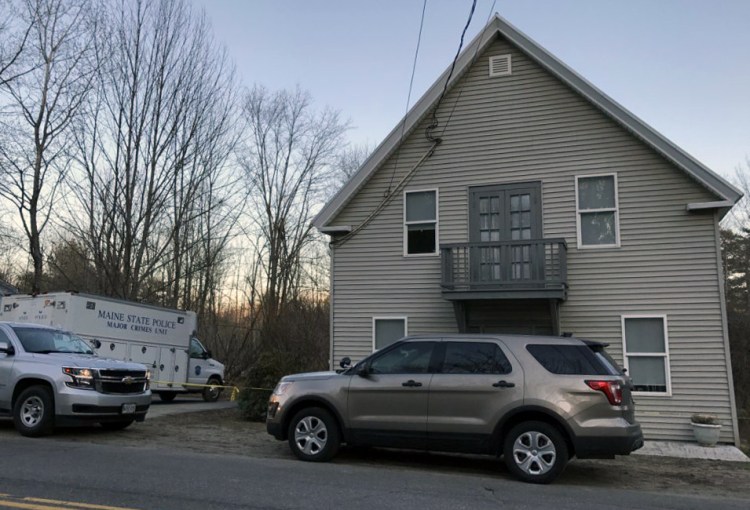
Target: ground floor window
[
  {"x": 387, "y": 330},
  {"x": 646, "y": 353}
]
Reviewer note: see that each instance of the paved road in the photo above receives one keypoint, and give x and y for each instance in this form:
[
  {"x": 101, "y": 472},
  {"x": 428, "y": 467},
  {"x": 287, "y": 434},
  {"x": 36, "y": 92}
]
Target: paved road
[{"x": 142, "y": 478}]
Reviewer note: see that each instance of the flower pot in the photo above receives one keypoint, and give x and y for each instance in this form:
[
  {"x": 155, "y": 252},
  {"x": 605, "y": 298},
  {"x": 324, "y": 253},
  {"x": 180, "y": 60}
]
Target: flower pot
[{"x": 706, "y": 435}]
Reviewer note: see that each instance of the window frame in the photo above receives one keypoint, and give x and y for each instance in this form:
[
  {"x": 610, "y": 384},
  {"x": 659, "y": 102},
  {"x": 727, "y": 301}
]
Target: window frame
[
  {"x": 615, "y": 210},
  {"x": 405, "y": 240},
  {"x": 665, "y": 355},
  {"x": 403, "y": 318}
]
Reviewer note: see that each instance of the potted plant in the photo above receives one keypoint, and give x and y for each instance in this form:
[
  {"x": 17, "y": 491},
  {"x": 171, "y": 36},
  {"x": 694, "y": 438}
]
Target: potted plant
[{"x": 706, "y": 428}]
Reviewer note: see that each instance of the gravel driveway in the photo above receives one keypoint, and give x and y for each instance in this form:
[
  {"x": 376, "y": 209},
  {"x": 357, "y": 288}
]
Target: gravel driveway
[{"x": 223, "y": 431}]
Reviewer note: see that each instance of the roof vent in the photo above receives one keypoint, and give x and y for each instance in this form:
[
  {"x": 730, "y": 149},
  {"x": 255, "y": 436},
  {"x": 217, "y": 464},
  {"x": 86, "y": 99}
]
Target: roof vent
[{"x": 500, "y": 65}]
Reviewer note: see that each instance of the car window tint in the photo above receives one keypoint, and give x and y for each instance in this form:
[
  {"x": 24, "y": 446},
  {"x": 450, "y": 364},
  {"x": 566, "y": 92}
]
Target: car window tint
[
  {"x": 568, "y": 359},
  {"x": 474, "y": 358},
  {"x": 405, "y": 358}
]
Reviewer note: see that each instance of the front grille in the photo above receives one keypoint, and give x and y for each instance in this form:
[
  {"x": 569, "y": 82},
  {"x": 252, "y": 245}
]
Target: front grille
[{"x": 121, "y": 381}]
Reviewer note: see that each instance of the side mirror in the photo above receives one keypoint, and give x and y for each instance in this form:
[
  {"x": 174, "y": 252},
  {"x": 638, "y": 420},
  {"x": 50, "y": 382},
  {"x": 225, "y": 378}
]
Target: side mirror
[
  {"x": 345, "y": 362},
  {"x": 206, "y": 354},
  {"x": 7, "y": 348},
  {"x": 364, "y": 370}
]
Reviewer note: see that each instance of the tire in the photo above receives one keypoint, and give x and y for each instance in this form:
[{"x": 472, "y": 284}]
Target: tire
[
  {"x": 535, "y": 452},
  {"x": 117, "y": 425},
  {"x": 167, "y": 396},
  {"x": 314, "y": 435},
  {"x": 212, "y": 394},
  {"x": 34, "y": 412}
]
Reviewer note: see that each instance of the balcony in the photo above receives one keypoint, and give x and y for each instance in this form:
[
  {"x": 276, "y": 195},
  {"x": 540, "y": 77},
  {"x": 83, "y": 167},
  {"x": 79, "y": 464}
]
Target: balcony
[{"x": 526, "y": 269}]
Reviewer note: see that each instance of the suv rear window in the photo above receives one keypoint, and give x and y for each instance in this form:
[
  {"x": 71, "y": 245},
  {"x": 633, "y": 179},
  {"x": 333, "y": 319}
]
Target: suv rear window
[{"x": 572, "y": 359}]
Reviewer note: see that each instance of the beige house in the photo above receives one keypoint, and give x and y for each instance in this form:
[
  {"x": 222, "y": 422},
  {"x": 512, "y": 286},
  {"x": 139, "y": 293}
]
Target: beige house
[{"x": 538, "y": 205}]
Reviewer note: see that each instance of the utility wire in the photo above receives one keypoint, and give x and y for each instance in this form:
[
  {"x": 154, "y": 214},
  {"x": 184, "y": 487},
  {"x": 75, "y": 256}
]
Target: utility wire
[
  {"x": 389, "y": 193},
  {"x": 473, "y": 59},
  {"x": 408, "y": 99},
  {"x": 434, "y": 124}
]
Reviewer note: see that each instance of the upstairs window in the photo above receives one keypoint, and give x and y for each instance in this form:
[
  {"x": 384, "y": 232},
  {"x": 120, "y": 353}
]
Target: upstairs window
[
  {"x": 596, "y": 208},
  {"x": 646, "y": 353},
  {"x": 420, "y": 222}
]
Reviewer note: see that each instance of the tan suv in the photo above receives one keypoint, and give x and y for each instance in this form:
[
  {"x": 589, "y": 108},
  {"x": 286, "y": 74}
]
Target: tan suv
[{"x": 536, "y": 400}]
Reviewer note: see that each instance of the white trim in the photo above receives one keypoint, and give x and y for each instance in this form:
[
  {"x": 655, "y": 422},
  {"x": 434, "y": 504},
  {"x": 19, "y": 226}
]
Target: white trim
[
  {"x": 331, "y": 305},
  {"x": 700, "y": 206},
  {"x": 405, "y": 224},
  {"x": 665, "y": 355},
  {"x": 389, "y": 318},
  {"x": 616, "y": 210}
]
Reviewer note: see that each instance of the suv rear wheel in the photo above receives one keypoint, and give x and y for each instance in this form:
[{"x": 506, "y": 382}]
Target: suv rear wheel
[
  {"x": 535, "y": 452},
  {"x": 314, "y": 435}
]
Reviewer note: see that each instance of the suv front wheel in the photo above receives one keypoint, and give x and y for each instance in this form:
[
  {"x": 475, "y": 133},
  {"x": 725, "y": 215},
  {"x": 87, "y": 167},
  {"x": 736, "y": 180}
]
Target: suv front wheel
[
  {"x": 535, "y": 452},
  {"x": 314, "y": 435}
]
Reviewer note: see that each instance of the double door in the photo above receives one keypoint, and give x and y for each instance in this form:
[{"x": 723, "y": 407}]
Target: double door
[{"x": 505, "y": 226}]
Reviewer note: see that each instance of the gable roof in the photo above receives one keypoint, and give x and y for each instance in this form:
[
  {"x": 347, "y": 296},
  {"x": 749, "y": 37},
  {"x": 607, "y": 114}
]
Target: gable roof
[{"x": 727, "y": 194}]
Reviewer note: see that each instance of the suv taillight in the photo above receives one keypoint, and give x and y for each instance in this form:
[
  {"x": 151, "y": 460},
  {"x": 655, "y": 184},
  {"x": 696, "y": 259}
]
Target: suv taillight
[{"x": 612, "y": 389}]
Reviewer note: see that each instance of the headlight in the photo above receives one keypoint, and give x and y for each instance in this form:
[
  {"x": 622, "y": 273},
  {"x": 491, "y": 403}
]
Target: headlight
[
  {"x": 82, "y": 378},
  {"x": 282, "y": 388},
  {"x": 148, "y": 379}
]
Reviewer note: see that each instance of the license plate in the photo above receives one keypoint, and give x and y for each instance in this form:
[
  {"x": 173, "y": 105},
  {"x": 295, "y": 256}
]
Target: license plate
[{"x": 128, "y": 408}]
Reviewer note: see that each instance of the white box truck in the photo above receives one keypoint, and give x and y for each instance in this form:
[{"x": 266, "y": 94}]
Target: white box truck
[{"x": 160, "y": 338}]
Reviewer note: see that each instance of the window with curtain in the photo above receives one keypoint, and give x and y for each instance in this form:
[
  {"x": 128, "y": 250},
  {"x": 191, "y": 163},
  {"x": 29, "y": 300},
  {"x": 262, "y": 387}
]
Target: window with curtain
[
  {"x": 387, "y": 330},
  {"x": 646, "y": 353},
  {"x": 596, "y": 206}
]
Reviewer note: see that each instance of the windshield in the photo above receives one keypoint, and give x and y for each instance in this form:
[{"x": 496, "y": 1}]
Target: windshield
[{"x": 45, "y": 341}]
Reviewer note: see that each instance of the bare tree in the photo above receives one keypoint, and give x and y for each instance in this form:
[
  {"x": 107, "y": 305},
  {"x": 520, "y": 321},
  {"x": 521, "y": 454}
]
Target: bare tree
[
  {"x": 43, "y": 104},
  {"x": 288, "y": 162},
  {"x": 348, "y": 162},
  {"x": 152, "y": 154},
  {"x": 12, "y": 42}
]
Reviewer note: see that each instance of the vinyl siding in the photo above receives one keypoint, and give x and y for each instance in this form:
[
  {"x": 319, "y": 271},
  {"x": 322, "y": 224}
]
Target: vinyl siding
[{"x": 530, "y": 127}]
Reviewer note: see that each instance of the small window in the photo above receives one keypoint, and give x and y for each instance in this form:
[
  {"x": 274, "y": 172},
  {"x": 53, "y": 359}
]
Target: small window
[
  {"x": 646, "y": 353},
  {"x": 420, "y": 222},
  {"x": 474, "y": 358},
  {"x": 387, "y": 330},
  {"x": 406, "y": 358},
  {"x": 196, "y": 349},
  {"x": 596, "y": 207},
  {"x": 569, "y": 359}
]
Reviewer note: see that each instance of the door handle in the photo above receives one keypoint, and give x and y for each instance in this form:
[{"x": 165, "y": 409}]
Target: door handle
[
  {"x": 411, "y": 383},
  {"x": 504, "y": 384}
]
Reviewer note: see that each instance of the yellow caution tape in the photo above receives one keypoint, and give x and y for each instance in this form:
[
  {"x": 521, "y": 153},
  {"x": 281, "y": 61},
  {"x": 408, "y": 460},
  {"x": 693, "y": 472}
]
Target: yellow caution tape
[{"x": 233, "y": 396}]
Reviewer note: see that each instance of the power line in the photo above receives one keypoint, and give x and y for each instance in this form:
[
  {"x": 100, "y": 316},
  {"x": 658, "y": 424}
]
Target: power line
[
  {"x": 408, "y": 97},
  {"x": 473, "y": 59},
  {"x": 434, "y": 124}
]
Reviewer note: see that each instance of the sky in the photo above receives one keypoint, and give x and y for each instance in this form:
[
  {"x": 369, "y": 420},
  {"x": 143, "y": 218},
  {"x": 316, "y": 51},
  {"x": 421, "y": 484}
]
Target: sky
[{"x": 682, "y": 66}]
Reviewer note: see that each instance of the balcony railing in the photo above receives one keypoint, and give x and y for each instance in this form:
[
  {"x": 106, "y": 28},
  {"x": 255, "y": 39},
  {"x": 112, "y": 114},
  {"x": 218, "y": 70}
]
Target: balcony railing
[{"x": 507, "y": 269}]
